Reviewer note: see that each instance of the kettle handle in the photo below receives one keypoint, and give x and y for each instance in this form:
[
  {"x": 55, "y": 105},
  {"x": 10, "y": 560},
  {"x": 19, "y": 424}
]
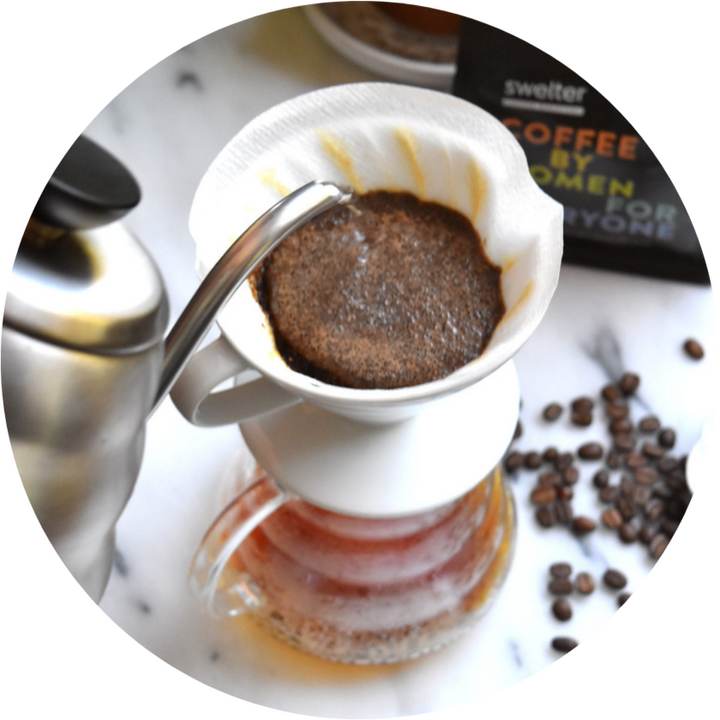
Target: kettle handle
[
  {"x": 234, "y": 267},
  {"x": 213, "y": 365}
]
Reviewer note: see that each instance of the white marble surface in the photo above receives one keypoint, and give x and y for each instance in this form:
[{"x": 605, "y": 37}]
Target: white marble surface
[{"x": 167, "y": 127}]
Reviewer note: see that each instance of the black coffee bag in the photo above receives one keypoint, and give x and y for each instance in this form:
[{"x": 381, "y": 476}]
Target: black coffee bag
[{"x": 622, "y": 212}]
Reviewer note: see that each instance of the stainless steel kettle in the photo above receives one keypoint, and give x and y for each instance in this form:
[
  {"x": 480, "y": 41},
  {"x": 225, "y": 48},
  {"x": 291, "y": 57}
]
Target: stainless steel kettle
[{"x": 84, "y": 361}]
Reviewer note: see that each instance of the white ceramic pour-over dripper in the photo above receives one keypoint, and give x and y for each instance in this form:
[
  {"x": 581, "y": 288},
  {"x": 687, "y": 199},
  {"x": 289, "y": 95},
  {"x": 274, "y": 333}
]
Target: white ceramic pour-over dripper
[{"x": 373, "y": 136}]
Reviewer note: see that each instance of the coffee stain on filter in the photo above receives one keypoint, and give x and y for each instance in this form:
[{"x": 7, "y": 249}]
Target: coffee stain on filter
[
  {"x": 522, "y": 300},
  {"x": 408, "y": 144},
  {"x": 269, "y": 178},
  {"x": 340, "y": 156},
  {"x": 478, "y": 185}
]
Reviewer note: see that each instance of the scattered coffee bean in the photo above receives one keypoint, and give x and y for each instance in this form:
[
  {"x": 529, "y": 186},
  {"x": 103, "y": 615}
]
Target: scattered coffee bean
[
  {"x": 668, "y": 527},
  {"x": 611, "y": 393},
  {"x": 624, "y": 443},
  {"x": 612, "y": 519},
  {"x": 609, "y": 494},
  {"x": 613, "y": 459},
  {"x": 545, "y": 515},
  {"x": 627, "y": 533},
  {"x": 616, "y": 411},
  {"x": 532, "y": 460},
  {"x": 564, "y": 644},
  {"x": 563, "y": 511},
  {"x": 652, "y": 451},
  {"x": 635, "y": 460},
  {"x": 583, "y": 525},
  {"x": 629, "y": 383},
  {"x": 564, "y": 461},
  {"x": 645, "y": 475},
  {"x": 564, "y": 492},
  {"x": 641, "y": 494},
  {"x": 571, "y": 475},
  {"x": 647, "y": 533},
  {"x": 584, "y": 583},
  {"x": 552, "y": 412},
  {"x": 560, "y": 586},
  {"x": 614, "y": 579},
  {"x": 626, "y": 486},
  {"x": 666, "y": 438},
  {"x": 653, "y": 509},
  {"x": 518, "y": 430},
  {"x": 581, "y": 419},
  {"x": 550, "y": 454},
  {"x": 561, "y": 569},
  {"x": 562, "y": 610},
  {"x": 620, "y": 426},
  {"x": 694, "y": 349},
  {"x": 622, "y": 598},
  {"x": 601, "y": 478},
  {"x": 583, "y": 405},
  {"x": 648, "y": 424},
  {"x": 543, "y": 495},
  {"x": 549, "y": 479},
  {"x": 514, "y": 461},
  {"x": 658, "y": 545},
  {"x": 667, "y": 464},
  {"x": 590, "y": 451},
  {"x": 626, "y": 508}
]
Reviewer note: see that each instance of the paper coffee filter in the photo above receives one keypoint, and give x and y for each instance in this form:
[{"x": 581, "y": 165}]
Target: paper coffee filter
[{"x": 370, "y": 136}]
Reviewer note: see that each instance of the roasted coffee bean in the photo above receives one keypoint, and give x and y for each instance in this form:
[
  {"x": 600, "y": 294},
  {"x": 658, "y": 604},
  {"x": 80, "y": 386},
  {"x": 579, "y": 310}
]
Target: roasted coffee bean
[
  {"x": 543, "y": 495},
  {"x": 609, "y": 494},
  {"x": 622, "y": 598},
  {"x": 626, "y": 486},
  {"x": 624, "y": 443},
  {"x": 563, "y": 511},
  {"x": 532, "y": 460},
  {"x": 653, "y": 509},
  {"x": 628, "y": 534},
  {"x": 658, "y": 544},
  {"x": 601, "y": 478},
  {"x": 666, "y": 438},
  {"x": 564, "y": 644},
  {"x": 549, "y": 479},
  {"x": 583, "y": 525},
  {"x": 583, "y": 405},
  {"x": 647, "y": 533},
  {"x": 616, "y": 411},
  {"x": 514, "y": 461},
  {"x": 545, "y": 515},
  {"x": 612, "y": 519},
  {"x": 635, "y": 460},
  {"x": 561, "y": 609},
  {"x": 626, "y": 508},
  {"x": 590, "y": 451},
  {"x": 611, "y": 393},
  {"x": 614, "y": 579},
  {"x": 620, "y": 426},
  {"x": 560, "y": 586},
  {"x": 564, "y": 492},
  {"x": 649, "y": 424},
  {"x": 570, "y": 475},
  {"x": 645, "y": 475},
  {"x": 584, "y": 583},
  {"x": 641, "y": 494},
  {"x": 667, "y": 464},
  {"x": 668, "y": 527},
  {"x": 694, "y": 349},
  {"x": 550, "y": 454},
  {"x": 561, "y": 569},
  {"x": 518, "y": 430},
  {"x": 662, "y": 491},
  {"x": 613, "y": 459},
  {"x": 652, "y": 451},
  {"x": 629, "y": 383},
  {"x": 552, "y": 412},
  {"x": 581, "y": 419},
  {"x": 564, "y": 460}
]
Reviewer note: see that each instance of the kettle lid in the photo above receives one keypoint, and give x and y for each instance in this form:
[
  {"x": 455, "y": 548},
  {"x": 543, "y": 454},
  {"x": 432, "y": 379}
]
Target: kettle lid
[{"x": 80, "y": 279}]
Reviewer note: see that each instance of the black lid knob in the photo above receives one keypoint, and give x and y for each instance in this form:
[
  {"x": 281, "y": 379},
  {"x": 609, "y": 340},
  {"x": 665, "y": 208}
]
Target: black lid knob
[{"x": 89, "y": 188}]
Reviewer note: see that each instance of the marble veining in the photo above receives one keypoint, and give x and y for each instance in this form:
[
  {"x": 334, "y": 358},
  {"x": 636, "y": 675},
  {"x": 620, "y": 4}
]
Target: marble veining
[{"x": 167, "y": 127}]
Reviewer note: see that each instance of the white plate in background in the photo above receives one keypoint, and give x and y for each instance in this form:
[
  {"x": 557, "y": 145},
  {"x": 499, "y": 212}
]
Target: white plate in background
[{"x": 394, "y": 67}]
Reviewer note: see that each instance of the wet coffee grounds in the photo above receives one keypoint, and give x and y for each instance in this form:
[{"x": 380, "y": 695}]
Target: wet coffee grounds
[{"x": 388, "y": 291}]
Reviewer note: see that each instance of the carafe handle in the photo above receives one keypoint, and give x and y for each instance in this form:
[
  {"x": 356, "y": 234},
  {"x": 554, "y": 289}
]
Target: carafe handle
[{"x": 222, "y": 595}]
